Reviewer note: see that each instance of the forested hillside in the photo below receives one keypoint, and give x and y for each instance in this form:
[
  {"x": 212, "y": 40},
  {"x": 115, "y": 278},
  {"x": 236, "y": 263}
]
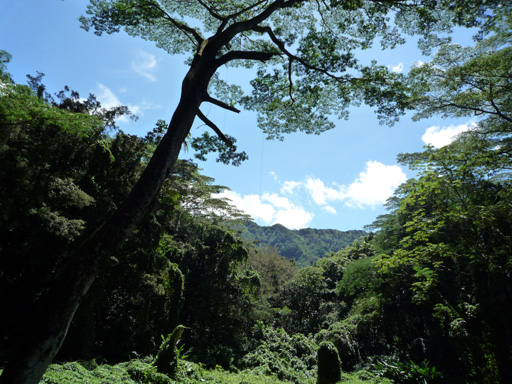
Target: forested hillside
[
  {"x": 304, "y": 246},
  {"x": 119, "y": 263}
]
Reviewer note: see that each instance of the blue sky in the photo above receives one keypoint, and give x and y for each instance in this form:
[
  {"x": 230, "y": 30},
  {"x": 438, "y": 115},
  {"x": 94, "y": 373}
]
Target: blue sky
[{"x": 339, "y": 179}]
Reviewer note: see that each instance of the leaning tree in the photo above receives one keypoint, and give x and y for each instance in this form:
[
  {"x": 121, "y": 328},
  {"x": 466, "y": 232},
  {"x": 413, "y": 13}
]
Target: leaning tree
[{"x": 306, "y": 72}]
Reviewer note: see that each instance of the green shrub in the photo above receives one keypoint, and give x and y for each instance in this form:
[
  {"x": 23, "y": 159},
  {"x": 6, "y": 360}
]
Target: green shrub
[
  {"x": 290, "y": 358},
  {"x": 144, "y": 372},
  {"x": 133, "y": 372},
  {"x": 406, "y": 372},
  {"x": 342, "y": 335},
  {"x": 329, "y": 364},
  {"x": 166, "y": 360}
]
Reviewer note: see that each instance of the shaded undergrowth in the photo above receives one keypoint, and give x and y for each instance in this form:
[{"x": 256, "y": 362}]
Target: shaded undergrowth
[{"x": 143, "y": 372}]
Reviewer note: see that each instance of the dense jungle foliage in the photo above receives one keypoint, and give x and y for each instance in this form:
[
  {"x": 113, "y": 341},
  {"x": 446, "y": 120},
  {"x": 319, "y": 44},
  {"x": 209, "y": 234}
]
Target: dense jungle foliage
[{"x": 424, "y": 297}]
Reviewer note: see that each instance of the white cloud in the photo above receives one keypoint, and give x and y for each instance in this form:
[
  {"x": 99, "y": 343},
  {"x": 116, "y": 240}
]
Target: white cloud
[
  {"x": 277, "y": 201},
  {"x": 270, "y": 209},
  {"x": 250, "y": 204},
  {"x": 397, "y": 68},
  {"x": 329, "y": 209},
  {"x": 109, "y": 99},
  {"x": 289, "y": 186},
  {"x": 321, "y": 193},
  {"x": 293, "y": 218},
  {"x": 144, "y": 64},
  {"x": 440, "y": 136},
  {"x": 375, "y": 185}
]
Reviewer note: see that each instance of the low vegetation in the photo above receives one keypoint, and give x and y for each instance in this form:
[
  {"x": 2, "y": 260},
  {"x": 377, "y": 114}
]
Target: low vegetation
[{"x": 143, "y": 372}]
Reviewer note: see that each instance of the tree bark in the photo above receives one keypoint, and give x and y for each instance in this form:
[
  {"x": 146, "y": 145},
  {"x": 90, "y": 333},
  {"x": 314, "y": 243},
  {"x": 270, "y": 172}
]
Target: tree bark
[{"x": 52, "y": 315}]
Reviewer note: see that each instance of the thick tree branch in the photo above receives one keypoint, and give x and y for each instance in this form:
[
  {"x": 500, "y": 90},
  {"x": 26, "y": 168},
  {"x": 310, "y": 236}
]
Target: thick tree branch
[
  {"x": 216, "y": 129},
  {"x": 221, "y": 104},
  {"x": 245, "y": 55},
  {"x": 248, "y": 25}
]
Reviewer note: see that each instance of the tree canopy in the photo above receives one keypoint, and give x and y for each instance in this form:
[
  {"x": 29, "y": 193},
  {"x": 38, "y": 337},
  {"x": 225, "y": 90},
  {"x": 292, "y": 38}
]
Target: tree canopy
[
  {"x": 468, "y": 81},
  {"x": 305, "y": 52}
]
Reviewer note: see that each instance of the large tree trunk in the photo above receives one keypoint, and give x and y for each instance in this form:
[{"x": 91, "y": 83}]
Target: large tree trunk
[{"x": 50, "y": 319}]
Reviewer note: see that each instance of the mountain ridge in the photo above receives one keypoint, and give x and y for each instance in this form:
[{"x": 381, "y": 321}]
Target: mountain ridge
[{"x": 305, "y": 245}]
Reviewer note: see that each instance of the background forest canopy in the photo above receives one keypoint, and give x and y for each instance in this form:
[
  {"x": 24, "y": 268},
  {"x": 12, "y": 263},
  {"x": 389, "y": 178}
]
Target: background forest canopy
[{"x": 426, "y": 297}]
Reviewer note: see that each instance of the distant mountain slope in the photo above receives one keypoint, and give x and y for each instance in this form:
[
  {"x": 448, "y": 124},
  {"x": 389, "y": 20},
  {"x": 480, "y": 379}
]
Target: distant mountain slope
[{"x": 305, "y": 246}]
